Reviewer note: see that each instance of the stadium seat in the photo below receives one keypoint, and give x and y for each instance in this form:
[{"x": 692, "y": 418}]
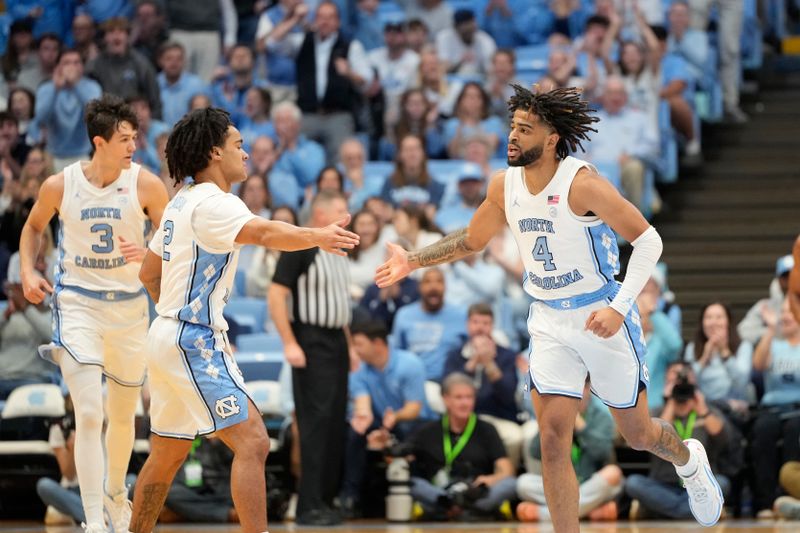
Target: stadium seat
[
  {"x": 260, "y": 365},
  {"x": 259, "y": 342},
  {"x": 40, "y": 399},
  {"x": 532, "y": 58},
  {"x": 378, "y": 169},
  {"x": 250, "y": 314}
]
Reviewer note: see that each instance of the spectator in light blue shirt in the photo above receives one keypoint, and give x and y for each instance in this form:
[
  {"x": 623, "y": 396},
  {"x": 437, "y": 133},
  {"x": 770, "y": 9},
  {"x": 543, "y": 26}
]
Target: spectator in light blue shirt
[
  {"x": 689, "y": 43},
  {"x": 626, "y": 137},
  {"x": 228, "y": 92},
  {"x": 471, "y": 192},
  {"x": 297, "y": 155},
  {"x": 176, "y": 85},
  {"x": 285, "y": 17},
  {"x": 779, "y": 358},
  {"x": 368, "y": 28},
  {"x": 103, "y": 10},
  {"x": 430, "y": 328},
  {"x": 59, "y": 110},
  {"x": 47, "y": 15},
  {"x": 255, "y": 121},
  {"x": 388, "y": 393},
  {"x": 149, "y": 131}
]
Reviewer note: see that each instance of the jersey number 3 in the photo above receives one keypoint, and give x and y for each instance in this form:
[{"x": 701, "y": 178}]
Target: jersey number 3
[
  {"x": 542, "y": 253},
  {"x": 106, "y": 238}
]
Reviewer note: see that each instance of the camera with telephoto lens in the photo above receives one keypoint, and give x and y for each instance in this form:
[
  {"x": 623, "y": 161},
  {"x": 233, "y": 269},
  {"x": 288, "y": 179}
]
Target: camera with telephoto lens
[{"x": 683, "y": 390}]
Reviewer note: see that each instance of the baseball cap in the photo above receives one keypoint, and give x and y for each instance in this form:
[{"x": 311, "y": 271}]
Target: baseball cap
[
  {"x": 470, "y": 171},
  {"x": 784, "y": 265}
]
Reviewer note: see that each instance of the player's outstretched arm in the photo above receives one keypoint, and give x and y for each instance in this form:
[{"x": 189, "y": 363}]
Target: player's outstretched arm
[
  {"x": 593, "y": 193},
  {"x": 487, "y": 222},
  {"x": 288, "y": 238},
  {"x": 794, "y": 282},
  {"x": 34, "y": 286}
]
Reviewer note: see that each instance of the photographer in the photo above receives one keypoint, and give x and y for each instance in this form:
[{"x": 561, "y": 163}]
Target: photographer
[
  {"x": 460, "y": 467},
  {"x": 778, "y": 357},
  {"x": 661, "y": 494},
  {"x": 388, "y": 392}
]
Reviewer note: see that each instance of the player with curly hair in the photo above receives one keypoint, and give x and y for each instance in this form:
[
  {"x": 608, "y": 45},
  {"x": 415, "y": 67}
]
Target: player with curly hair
[{"x": 565, "y": 219}]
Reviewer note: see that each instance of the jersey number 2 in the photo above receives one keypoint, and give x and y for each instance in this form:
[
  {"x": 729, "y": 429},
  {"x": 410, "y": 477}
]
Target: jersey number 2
[
  {"x": 106, "y": 238},
  {"x": 542, "y": 253},
  {"x": 169, "y": 226}
]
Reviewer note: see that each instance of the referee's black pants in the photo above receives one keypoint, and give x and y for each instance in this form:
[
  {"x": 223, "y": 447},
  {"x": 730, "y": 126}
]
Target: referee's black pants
[{"x": 320, "y": 401}]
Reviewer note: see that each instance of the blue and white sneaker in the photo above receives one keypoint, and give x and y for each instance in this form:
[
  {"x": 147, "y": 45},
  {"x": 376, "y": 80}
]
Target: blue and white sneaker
[{"x": 705, "y": 496}]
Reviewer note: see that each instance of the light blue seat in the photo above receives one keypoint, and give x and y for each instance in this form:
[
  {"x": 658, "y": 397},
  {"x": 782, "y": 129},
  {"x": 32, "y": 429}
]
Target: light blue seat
[
  {"x": 249, "y": 313},
  {"x": 259, "y": 342},
  {"x": 532, "y": 57},
  {"x": 260, "y": 365}
]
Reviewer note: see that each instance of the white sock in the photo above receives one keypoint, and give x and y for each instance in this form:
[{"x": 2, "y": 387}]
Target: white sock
[
  {"x": 85, "y": 387},
  {"x": 690, "y": 467},
  {"x": 121, "y": 411}
]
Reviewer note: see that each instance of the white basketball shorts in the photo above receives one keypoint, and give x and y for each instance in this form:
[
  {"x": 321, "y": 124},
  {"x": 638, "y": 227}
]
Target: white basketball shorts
[
  {"x": 563, "y": 352},
  {"x": 106, "y": 333}
]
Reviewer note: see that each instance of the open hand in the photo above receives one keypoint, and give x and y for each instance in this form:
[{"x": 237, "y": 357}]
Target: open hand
[
  {"x": 395, "y": 268},
  {"x": 605, "y": 322},
  {"x": 334, "y": 238}
]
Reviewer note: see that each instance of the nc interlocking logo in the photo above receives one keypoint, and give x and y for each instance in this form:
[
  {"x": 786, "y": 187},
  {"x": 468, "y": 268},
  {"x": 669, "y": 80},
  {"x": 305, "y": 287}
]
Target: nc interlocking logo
[{"x": 227, "y": 406}]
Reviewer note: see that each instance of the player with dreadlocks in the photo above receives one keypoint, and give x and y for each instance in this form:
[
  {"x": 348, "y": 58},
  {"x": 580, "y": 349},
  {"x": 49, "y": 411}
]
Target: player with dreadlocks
[
  {"x": 195, "y": 387},
  {"x": 583, "y": 324}
]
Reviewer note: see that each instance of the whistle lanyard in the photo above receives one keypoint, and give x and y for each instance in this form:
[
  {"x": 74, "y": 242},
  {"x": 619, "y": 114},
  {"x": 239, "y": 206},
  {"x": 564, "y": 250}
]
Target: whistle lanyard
[
  {"x": 575, "y": 454},
  {"x": 685, "y": 432},
  {"x": 450, "y": 453}
]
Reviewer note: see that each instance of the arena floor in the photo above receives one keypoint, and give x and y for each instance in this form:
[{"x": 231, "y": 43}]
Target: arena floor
[{"x": 739, "y": 526}]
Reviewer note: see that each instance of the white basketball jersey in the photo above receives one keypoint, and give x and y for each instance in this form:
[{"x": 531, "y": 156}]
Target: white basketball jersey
[
  {"x": 92, "y": 221},
  {"x": 197, "y": 278},
  {"x": 564, "y": 254}
]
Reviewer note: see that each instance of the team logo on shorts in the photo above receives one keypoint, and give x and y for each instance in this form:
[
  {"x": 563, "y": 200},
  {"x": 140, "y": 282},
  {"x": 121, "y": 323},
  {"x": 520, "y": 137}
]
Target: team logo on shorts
[
  {"x": 645, "y": 372},
  {"x": 227, "y": 406}
]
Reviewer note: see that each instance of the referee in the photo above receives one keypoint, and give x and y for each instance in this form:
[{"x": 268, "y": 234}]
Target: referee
[{"x": 314, "y": 333}]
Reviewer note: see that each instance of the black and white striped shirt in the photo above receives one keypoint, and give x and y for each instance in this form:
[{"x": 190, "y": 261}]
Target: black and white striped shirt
[{"x": 320, "y": 285}]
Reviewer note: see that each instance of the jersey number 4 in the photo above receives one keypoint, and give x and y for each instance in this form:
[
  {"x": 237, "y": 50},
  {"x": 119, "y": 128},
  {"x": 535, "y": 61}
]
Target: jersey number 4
[{"x": 542, "y": 253}]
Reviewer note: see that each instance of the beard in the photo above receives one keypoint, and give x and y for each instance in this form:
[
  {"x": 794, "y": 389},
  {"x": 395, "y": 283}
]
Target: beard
[{"x": 526, "y": 158}]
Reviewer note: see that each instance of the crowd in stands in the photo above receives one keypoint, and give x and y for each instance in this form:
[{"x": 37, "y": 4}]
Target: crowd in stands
[{"x": 399, "y": 108}]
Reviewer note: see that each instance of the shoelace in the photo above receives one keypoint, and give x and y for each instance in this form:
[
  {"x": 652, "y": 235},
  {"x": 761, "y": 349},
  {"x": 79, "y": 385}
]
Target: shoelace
[{"x": 699, "y": 492}]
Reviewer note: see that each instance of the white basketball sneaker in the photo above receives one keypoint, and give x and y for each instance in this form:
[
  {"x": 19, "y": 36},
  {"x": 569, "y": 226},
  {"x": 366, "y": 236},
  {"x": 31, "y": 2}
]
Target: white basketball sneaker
[
  {"x": 705, "y": 496},
  {"x": 93, "y": 528},
  {"x": 119, "y": 511}
]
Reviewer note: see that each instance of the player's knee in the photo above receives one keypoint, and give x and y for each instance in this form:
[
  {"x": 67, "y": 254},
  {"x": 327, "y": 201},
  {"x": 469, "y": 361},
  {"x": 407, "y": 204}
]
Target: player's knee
[
  {"x": 612, "y": 474},
  {"x": 255, "y": 447},
  {"x": 88, "y": 417}
]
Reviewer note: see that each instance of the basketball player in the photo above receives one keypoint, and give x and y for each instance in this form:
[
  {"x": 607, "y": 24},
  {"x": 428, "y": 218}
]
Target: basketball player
[
  {"x": 195, "y": 386},
  {"x": 100, "y": 310},
  {"x": 564, "y": 217},
  {"x": 794, "y": 282}
]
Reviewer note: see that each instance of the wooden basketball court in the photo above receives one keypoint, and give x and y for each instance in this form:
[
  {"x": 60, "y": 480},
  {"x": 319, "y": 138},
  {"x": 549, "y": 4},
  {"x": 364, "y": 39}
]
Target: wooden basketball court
[{"x": 738, "y": 526}]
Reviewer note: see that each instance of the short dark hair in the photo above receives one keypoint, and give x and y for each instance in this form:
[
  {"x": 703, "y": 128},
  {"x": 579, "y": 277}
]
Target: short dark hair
[
  {"x": 660, "y": 32},
  {"x": 562, "y": 109},
  {"x": 170, "y": 45},
  {"x": 190, "y": 143},
  {"x": 68, "y": 50},
  {"x": 417, "y": 24},
  {"x": 480, "y": 308},
  {"x": 371, "y": 329},
  {"x": 105, "y": 114},
  {"x": 48, "y": 36},
  {"x": 598, "y": 20},
  {"x": 8, "y": 116}
]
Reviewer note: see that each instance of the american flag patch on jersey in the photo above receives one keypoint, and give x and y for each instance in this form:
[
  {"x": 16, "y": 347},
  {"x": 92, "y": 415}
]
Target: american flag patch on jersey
[
  {"x": 551, "y": 200},
  {"x": 122, "y": 190}
]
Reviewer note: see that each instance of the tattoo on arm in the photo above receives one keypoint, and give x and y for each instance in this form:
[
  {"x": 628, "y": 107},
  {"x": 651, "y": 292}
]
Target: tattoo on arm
[
  {"x": 669, "y": 446},
  {"x": 153, "y": 497},
  {"x": 450, "y": 248}
]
